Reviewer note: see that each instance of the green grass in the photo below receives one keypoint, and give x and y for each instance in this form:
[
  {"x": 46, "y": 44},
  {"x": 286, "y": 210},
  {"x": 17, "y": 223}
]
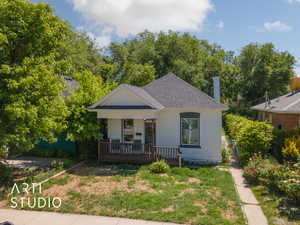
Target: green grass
[
  {"x": 196, "y": 196},
  {"x": 276, "y": 208}
]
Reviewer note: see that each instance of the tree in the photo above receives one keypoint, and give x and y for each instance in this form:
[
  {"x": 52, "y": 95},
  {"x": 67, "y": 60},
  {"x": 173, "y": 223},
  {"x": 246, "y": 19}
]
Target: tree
[
  {"x": 82, "y": 124},
  {"x": 29, "y": 30},
  {"x": 31, "y": 103},
  {"x": 139, "y": 75},
  {"x": 263, "y": 68},
  {"x": 193, "y": 60},
  {"x": 82, "y": 54}
]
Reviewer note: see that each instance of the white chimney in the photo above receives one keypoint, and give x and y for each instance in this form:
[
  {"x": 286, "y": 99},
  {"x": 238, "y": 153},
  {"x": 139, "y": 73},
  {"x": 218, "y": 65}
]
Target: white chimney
[{"x": 216, "y": 81}]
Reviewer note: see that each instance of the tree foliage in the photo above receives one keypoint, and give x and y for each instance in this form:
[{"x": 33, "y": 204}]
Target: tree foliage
[
  {"x": 29, "y": 30},
  {"x": 37, "y": 48},
  {"x": 263, "y": 68},
  {"x": 193, "y": 60},
  {"x": 82, "y": 124},
  {"x": 31, "y": 101}
]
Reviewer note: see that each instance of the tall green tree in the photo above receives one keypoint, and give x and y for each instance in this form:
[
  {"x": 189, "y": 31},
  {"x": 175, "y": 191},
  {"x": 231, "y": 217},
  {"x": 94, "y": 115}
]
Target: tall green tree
[
  {"x": 31, "y": 103},
  {"x": 29, "y": 30},
  {"x": 263, "y": 69},
  {"x": 82, "y": 124}
]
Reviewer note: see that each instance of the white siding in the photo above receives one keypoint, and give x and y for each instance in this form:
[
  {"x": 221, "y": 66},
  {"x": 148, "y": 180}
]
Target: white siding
[
  {"x": 115, "y": 129},
  {"x": 168, "y": 134},
  {"x": 124, "y": 97}
]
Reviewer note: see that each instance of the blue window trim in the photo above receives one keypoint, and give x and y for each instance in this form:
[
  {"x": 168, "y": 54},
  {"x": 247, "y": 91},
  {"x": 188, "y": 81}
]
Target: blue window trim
[
  {"x": 189, "y": 146},
  {"x": 192, "y": 115}
]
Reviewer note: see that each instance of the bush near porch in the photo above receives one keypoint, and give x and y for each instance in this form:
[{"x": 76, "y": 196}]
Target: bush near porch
[
  {"x": 251, "y": 136},
  {"x": 182, "y": 195}
]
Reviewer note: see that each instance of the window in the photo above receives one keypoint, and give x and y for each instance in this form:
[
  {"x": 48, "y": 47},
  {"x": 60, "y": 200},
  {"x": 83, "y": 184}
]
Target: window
[
  {"x": 190, "y": 129},
  {"x": 128, "y": 130}
]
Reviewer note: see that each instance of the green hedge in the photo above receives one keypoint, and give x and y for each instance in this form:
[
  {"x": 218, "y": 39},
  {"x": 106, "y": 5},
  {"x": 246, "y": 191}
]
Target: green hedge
[{"x": 251, "y": 136}]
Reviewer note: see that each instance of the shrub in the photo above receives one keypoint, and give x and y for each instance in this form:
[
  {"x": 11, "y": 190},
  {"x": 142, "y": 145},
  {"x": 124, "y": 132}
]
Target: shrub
[
  {"x": 6, "y": 174},
  {"x": 159, "y": 167},
  {"x": 251, "y": 136},
  {"x": 278, "y": 142},
  {"x": 283, "y": 178},
  {"x": 226, "y": 154},
  {"x": 291, "y": 151},
  {"x": 57, "y": 164},
  {"x": 251, "y": 170}
]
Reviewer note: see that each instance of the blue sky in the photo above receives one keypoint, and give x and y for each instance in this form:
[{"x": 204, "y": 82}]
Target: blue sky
[{"x": 230, "y": 23}]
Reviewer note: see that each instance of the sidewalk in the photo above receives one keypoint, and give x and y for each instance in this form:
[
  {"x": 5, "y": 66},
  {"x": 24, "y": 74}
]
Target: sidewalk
[
  {"x": 21, "y": 217},
  {"x": 250, "y": 205}
]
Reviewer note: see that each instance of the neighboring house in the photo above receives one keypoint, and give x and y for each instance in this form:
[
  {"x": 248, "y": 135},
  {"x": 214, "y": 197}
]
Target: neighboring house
[
  {"x": 282, "y": 112},
  {"x": 168, "y": 113}
]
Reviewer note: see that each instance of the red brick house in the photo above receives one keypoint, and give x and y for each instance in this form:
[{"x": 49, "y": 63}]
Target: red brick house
[{"x": 282, "y": 112}]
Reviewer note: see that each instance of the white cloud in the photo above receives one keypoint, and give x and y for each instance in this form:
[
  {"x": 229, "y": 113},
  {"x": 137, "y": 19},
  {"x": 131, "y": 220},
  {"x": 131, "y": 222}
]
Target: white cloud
[
  {"x": 220, "y": 25},
  {"x": 277, "y": 26},
  {"x": 101, "y": 41},
  {"x": 293, "y": 1},
  {"x": 126, "y": 17}
]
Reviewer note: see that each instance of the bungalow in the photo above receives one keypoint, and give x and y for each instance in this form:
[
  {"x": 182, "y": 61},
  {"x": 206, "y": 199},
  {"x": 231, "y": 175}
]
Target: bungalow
[
  {"x": 282, "y": 112},
  {"x": 169, "y": 115}
]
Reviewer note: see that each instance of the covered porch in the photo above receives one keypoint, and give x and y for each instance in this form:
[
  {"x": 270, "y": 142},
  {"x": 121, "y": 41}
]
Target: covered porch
[{"x": 131, "y": 138}]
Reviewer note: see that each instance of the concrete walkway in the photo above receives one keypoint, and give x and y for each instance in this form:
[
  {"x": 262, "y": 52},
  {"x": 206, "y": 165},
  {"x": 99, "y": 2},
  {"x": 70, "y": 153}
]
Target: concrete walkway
[
  {"x": 21, "y": 217},
  {"x": 250, "y": 205}
]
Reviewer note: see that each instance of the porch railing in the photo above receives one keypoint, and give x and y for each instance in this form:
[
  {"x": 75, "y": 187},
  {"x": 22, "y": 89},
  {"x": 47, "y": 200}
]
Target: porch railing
[{"x": 137, "y": 152}]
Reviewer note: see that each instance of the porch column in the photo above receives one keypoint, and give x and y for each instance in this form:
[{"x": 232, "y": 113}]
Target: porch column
[{"x": 98, "y": 159}]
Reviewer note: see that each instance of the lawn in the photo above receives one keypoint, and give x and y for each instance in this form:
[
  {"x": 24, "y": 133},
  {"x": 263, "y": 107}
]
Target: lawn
[
  {"x": 29, "y": 175},
  {"x": 276, "y": 208},
  {"x": 192, "y": 196}
]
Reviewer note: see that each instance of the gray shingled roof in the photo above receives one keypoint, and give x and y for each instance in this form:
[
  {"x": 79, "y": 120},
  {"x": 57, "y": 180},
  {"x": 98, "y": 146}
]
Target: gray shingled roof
[
  {"x": 173, "y": 92},
  {"x": 289, "y": 103}
]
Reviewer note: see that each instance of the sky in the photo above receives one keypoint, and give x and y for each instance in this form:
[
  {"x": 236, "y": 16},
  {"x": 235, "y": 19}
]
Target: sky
[{"x": 229, "y": 23}]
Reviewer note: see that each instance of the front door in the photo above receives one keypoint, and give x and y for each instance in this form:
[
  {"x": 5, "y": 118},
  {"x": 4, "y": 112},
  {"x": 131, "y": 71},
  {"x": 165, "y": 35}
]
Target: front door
[{"x": 150, "y": 132}]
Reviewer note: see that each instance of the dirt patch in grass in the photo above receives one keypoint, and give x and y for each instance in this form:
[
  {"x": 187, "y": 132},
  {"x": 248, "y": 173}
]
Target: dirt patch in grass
[
  {"x": 229, "y": 215},
  {"x": 104, "y": 184},
  {"x": 193, "y": 180},
  {"x": 61, "y": 190},
  {"x": 169, "y": 209},
  {"x": 201, "y": 204}
]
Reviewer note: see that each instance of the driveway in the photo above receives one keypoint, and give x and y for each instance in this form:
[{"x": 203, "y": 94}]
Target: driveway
[
  {"x": 28, "y": 161},
  {"x": 20, "y": 217}
]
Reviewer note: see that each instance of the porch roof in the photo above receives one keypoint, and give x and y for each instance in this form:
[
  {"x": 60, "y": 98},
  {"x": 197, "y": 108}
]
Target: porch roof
[{"x": 127, "y": 114}]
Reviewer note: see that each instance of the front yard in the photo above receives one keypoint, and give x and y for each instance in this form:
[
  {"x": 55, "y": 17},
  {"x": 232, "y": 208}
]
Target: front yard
[
  {"x": 28, "y": 174},
  {"x": 192, "y": 196}
]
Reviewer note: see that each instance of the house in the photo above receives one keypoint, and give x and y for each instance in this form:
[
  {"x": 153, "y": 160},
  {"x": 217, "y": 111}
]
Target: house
[
  {"x": 168, "y": 114},
  {"x": 282, "y": 112}
]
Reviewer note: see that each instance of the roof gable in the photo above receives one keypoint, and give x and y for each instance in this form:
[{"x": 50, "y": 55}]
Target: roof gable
[
  {"x": 127, "y": 95},
  {"x": 173, "y": 92}
]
